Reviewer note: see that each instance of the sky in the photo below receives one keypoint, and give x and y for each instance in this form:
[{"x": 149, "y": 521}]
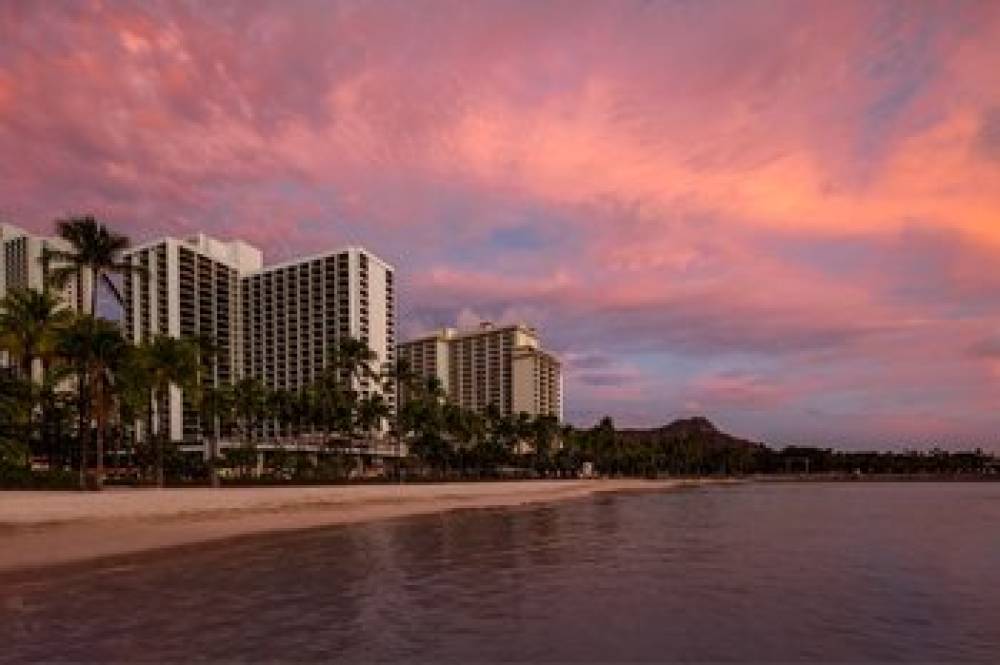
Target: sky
[{"x": 784, "y": 216}]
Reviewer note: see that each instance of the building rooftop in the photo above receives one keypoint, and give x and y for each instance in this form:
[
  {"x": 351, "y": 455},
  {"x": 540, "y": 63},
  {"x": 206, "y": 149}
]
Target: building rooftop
[
  {"x": 322, "y": 255},
  {"x": 247, "y": 258},
  {"x": 11, "y": 231},
  {"x": 484, "y": 328},
  {"x": 237, "y": 254}
]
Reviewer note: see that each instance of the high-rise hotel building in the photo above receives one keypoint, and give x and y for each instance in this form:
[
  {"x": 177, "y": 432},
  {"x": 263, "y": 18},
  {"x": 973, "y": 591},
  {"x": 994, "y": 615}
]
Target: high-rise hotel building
[
  {"x": 23, "y": 265},
  {"x": 275, "y": 323},
  {"x": 188, "y": 288},
  {"x": 500, "y": 365},
  {"x": 294, "y": 313}
]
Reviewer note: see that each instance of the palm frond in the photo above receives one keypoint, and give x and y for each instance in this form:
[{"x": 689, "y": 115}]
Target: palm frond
[{"x": 113, "y": 288}]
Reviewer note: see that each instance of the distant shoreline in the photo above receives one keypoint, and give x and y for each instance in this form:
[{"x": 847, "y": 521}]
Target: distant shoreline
[
  {"x": 45, "y": 529},
  {"x": 875, "y": 478}
]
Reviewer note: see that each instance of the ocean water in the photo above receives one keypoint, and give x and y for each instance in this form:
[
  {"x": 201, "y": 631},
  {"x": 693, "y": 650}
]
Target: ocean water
[{"x": 873, "y": 572}]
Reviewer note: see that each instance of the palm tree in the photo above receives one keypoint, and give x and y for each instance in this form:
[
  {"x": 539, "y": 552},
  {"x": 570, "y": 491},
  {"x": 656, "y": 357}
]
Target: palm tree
[
  {"x": 333, "y": 403},
  {"x": 463, "y": 427},
  {"x": 95, "y": 348},
  {"x": 133, "y": 389},
  {"x": 169, "y": 361},
  {"x": 217, "y": 404},
  {"x": 354, "y": 358},
  {"x": 109, "y": 353},
  {"x": 397, "y": 380},
  {"x": 300, "y": 406},
  {"x": 96, "y": 249},
  {"x": 503, "y": 431},
  {"x": 279, "y": 409},
  {"x": 351, "y": 361},
  {"x": 493, "y": 445},
  {"x": 216, "y": 400},
  {"x": 309, "y": 409},
  {"x": 544, "y": 433},
  {"x": 15, "y": 414},
  {"x": 75, "y": 348},
  {"x": 566, "y": 457},
  {"x": 423, "y": 414},
  {"x": 372, "y": 410},
  {"x": 250, "y": 396},
  {"x": 30, "y": 323}
]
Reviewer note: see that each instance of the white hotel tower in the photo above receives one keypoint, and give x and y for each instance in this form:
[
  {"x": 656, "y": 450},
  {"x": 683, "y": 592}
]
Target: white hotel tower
[
  {"x": 277, "y": 323},
  {"x": 23, "y": 266},
  {"x": 500, "y": 365}
]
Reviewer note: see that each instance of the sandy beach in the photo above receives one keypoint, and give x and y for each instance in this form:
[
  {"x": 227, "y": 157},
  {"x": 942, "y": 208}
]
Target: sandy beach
[{"x": 40, "y": 529}]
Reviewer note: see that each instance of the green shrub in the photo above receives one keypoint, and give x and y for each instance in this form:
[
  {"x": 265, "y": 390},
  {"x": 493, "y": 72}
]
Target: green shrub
[{"x": 14, "y": 454}]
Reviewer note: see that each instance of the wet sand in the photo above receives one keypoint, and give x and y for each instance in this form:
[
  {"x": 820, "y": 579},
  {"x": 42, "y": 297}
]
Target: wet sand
[{"x": 39, "y": 529}]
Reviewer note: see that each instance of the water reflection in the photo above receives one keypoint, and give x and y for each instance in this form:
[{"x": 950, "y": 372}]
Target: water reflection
[{"x": 838, "y": 572}]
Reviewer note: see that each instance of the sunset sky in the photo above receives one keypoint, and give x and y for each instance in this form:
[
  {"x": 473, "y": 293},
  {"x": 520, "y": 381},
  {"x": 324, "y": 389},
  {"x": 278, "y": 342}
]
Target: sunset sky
[{"x": 782, "y": 215}]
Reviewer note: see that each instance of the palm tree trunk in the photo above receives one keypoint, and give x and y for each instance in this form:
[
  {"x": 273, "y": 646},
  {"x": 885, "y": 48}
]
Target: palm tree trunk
[
  {"x": 99, "y": 479},
  {"x": 46, "y": 430},
  {"x": 150, "y": 419},
  {"x": 100, "y": 436},
  {"x": 133, "y": 444},
  {"x": 29, "y": 420},
  {"x": 45, "y": 436},
  {"x": 396, "y": 417},
  {"x": 118, "y": 445},
  {"x": 93, "y": 291},
  {"x": 361, "y": 459},
  {"x": 157, "y": 439},
  {"x": 213, "y": 471},
  {"x": 81, "y": 430},
  {"x": 160, "y": 473}
]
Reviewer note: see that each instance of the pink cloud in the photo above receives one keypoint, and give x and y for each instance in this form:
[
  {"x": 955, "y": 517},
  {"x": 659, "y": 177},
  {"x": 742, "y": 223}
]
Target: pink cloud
[
  {"x": 769, "y": 211},
  {"x": 741, "y": 390}
]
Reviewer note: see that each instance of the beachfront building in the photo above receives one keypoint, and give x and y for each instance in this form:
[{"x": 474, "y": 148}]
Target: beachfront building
[
  {"x": 278, "y": 324},
  {"x": 294, "y": 314},
  {"x": 23, "y": 266},
  {"x": 536, "y": 382},
  {"x": 188, "y": 288},
  {"x": 500, "y": 365}
]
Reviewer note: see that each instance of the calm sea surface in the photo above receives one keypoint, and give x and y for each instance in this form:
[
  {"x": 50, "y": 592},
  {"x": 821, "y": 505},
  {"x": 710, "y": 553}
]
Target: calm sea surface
[{"x": 783, "y": 572}]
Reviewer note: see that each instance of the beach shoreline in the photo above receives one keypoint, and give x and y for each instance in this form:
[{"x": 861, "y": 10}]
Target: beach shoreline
[{"x": 46, "y": 529}]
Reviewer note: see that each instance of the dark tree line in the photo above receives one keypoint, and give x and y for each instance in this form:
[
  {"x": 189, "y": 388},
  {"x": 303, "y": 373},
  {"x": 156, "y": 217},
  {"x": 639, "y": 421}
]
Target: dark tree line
[{"x": 695, "y": 447}]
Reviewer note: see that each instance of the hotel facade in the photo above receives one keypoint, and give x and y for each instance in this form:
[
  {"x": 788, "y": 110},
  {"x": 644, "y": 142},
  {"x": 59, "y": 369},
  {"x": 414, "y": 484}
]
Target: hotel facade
[
  {"x": 294, "y": 313},
  {"x": 23, "y": 265},
  {"x": 278, "y": 323},
  {"x": 500, "y": 365}
]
